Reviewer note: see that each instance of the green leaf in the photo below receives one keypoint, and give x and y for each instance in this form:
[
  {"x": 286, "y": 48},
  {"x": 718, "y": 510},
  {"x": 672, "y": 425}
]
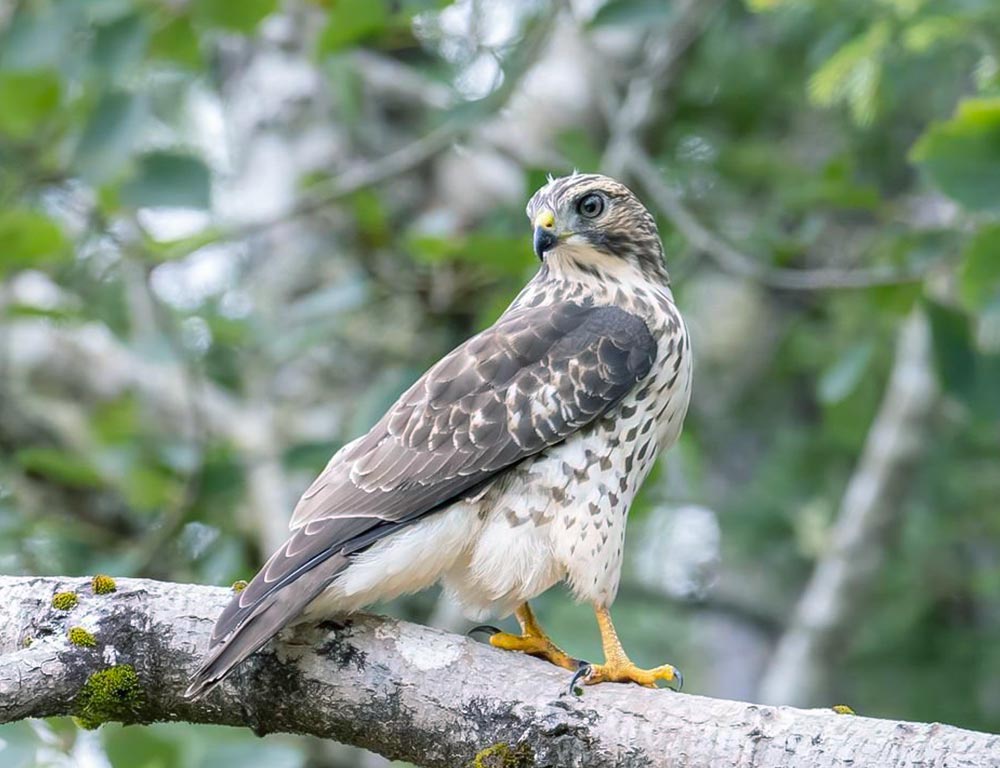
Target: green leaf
[
  {"x": 966, "y": 373},
  {"x": 148, "y": 487},
  {"x": 119, "y": 46},
  {"x": 853, "y": 75},
  {"x": 631, "y": 12},
  {"x": 103, "y": 11},
  {"x": 896, "y": 299},
  {"x": 351, "y": 21},
  {"x": 961, "y": 155},
  {"x": 842, "y": 378},
  {"x": 142, "y": 747},
  {"x": 979, "y": 277},
  {"x": 38, "y": 35},
  {"x": 63, "y": 466},
  {"x": 371, "y": 218},
  {"x": 180, "y": 248},
  {"x": 27, "y": 101},
  {"x": 933, "y": 30},
  {"x": 431, "y": 248},
  {"x": 762, "y": 6},
  {"x": 166, "y": 179},
  {"x": 234, "y": 15},
  {"x": 987, "y": 402},
  {"x": 954, "y": 354},
  {"x": 117, "y": 422},
  {"x": 410, "y": 8},
  {"x": 177, "y": 42},
  {"x": 110, "y": 136},
  {"x": 498, "y": 253},
  {"x": 56, "y": 315},
  {"x": 29, "y": 238}
]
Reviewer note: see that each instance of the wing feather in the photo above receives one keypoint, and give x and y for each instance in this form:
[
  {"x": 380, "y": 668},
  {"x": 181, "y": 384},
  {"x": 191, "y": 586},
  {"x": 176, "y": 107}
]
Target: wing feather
[{"x": 528, "y": 382}]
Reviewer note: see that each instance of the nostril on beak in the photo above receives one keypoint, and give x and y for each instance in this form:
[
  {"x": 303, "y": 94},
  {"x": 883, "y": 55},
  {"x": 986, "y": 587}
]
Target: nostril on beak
[{"x": 545, "y": 220}]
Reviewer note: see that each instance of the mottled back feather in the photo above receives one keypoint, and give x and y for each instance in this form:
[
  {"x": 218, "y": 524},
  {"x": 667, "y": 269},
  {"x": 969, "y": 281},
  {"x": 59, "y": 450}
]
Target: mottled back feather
[{"x": 526, "y": 383}]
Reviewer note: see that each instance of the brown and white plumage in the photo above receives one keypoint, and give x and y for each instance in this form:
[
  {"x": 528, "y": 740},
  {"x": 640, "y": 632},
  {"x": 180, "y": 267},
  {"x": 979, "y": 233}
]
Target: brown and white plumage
[{"x": 511, "y": 463}]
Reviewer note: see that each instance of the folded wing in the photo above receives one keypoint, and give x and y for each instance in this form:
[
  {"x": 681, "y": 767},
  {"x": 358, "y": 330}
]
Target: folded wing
[{"x": 526, "y": 383}]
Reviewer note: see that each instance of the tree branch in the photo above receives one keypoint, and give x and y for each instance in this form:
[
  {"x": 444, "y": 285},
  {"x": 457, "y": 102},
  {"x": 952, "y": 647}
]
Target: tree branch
[
  {"x": 408, "y": 692},
  {"x": 374, "y": 171},
  {"x": 730, "y": 259},
  {"x": 643, "y": 99},
  {"x": 88, "y": 363},
  {"x": 624, "y": 155}
]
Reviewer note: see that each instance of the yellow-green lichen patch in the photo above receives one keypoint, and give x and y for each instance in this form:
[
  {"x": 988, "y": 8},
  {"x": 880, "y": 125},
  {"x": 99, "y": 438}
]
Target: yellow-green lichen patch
[
  {"x": 65, "y": 601},
  {"x": 109, "y": 694},
  {"x": 504, "y": 756},
  {"x": 80, "y": 636},
  {"x": 26, "y": 643},
  {"x": 239, "y": 586},
  {"x": 842, "y": 709},
  {"x": 103, "y": 585}
]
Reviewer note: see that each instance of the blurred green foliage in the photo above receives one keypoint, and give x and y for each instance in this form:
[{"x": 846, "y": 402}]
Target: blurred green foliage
[{"x": 811, "y": 133}]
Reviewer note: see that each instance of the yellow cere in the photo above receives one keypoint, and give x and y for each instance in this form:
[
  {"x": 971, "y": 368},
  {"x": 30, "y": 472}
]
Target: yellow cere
[{"x": 546, "y": 219}]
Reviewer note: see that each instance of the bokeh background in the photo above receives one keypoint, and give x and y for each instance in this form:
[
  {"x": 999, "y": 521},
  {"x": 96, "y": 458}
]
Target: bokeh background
[{"x": 232, "y": 232}]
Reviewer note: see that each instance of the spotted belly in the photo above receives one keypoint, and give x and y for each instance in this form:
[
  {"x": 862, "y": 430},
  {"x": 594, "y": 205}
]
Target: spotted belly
[{"x": 562, "y": 515}]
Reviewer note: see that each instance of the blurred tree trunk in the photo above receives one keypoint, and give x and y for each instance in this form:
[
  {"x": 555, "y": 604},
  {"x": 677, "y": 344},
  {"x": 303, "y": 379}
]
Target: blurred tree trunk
[{"x": 807, "y": 653}]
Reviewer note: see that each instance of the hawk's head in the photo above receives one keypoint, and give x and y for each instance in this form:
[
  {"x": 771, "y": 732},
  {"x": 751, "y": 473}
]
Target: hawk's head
[{"x": 594, "y": 219}]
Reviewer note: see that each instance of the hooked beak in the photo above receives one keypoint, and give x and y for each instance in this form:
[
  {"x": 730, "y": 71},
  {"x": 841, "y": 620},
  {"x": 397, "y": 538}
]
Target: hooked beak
[{"x": 545, "y": 237}]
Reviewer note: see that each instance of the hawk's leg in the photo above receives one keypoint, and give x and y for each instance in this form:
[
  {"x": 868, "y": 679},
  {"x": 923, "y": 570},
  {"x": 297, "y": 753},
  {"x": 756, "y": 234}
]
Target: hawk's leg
[
  {"x": 617, "y": 666},
  {"x": 533, "y": 641}
]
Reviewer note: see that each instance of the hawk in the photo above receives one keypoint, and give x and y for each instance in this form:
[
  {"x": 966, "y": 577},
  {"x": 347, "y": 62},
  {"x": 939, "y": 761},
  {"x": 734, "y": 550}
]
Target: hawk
[{"x": 511, "y": 464}]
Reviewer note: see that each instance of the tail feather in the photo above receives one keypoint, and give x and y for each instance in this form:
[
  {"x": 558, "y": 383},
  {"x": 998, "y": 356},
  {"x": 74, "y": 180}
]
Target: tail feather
[{"x": 256, "y": 624}]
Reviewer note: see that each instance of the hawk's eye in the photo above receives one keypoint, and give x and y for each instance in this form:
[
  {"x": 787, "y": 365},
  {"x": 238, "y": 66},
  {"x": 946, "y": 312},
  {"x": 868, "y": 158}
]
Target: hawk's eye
[{"x": 590, "y": 206}]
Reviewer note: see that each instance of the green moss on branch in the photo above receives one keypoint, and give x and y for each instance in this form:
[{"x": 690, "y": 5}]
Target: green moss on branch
[
  {"x": 112, "y": 694},
  {"x": 504, "y": 756},
  {"x": 80, "y": 636},
  {"x": 103, "y": 585},
  {"x": 65, "y": 601}
]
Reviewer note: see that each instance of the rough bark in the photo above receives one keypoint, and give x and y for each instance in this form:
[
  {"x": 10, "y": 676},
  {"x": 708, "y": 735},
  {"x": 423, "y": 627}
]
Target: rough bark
[{"x": 414, "y": 693}]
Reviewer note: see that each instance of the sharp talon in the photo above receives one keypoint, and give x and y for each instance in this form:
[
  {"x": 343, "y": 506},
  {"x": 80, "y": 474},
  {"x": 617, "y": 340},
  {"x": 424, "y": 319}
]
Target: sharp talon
[
  {"x": 678, "y": 679},
  {"x": 581, "y": 673},
  {"x": 487, "y": 629}
]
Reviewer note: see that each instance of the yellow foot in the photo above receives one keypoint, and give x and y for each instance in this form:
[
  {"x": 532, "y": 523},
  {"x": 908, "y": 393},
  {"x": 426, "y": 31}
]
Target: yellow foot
[
  {"x": 538, "y": 646},
  {"x": 617, "y": 667},
  {"x": 532, "y": 640},
  {"x": 624, "y": 671}
]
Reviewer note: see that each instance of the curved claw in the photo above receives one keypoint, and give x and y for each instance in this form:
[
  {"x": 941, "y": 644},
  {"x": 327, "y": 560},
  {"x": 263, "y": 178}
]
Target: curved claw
[
  {"x": 487, "y": 629},
  {"x": 580, "y": 674},
  {"x": 587, "y": 674},
  {"x": 679, "y": 680}
]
